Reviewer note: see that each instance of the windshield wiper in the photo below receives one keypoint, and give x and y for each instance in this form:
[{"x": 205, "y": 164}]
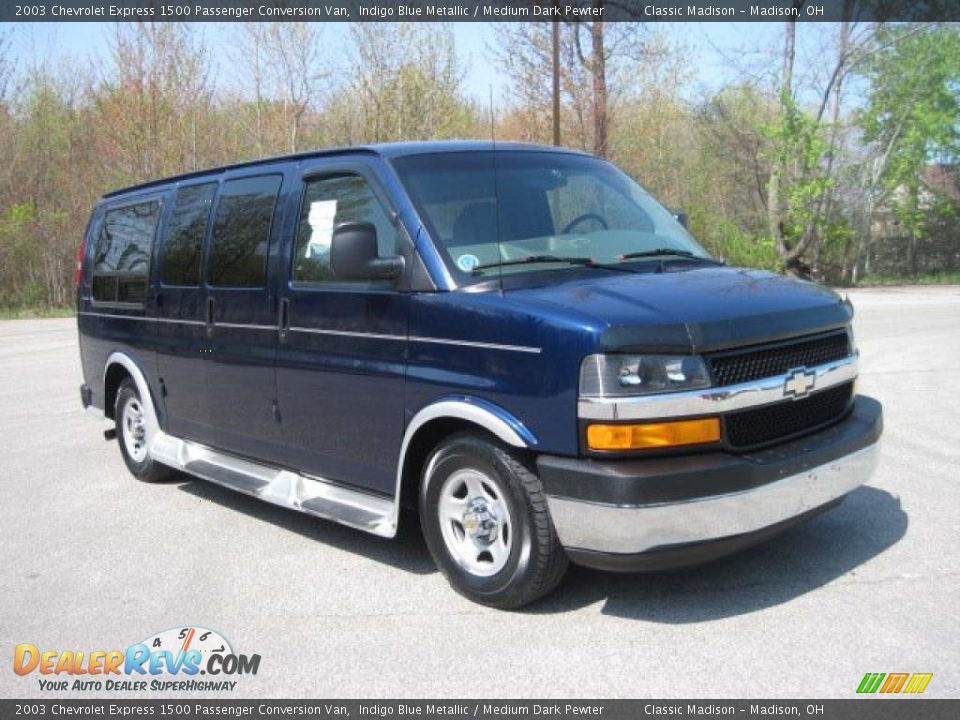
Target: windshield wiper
[
  {"x": 661, "y": 252},
  {"x": 536, "y": 259},
  {"x": 590, "y": 262}
]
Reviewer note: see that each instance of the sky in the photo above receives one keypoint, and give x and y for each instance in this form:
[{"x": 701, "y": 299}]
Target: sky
[{"x": 715, "y": 47}]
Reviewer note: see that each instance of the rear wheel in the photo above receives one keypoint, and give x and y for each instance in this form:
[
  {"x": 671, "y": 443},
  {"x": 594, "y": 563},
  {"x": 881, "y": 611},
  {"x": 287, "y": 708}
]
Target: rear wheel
[
  {"x": 131, "y": 424},
  {"x": 486, "y": 523}
]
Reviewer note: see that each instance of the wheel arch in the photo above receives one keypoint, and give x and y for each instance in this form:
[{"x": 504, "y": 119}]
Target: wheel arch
[
  {"x": 119, "y": 366},
  {"x": 114, "y": 374},
  {"x": 443, "y": 418}
]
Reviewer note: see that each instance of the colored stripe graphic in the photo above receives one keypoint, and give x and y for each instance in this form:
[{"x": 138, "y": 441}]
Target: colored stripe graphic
[
  {"x": 894, "y": 682},
  {"x": 918, "y": 683},
  {"x": 870, "y": 682}
]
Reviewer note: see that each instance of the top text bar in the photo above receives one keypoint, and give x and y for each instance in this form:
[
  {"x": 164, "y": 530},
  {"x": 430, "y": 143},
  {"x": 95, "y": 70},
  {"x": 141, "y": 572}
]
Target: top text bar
[{"x": 481, "y": 10}]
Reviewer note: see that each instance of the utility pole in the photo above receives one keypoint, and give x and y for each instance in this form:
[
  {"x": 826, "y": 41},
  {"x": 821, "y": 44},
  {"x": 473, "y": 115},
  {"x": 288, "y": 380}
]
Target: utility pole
[{"x": 556, "y": 82}]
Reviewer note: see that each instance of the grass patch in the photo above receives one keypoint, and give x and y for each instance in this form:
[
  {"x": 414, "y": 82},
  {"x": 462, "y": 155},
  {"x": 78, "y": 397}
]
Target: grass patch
[
  {"x": 23, "y": 313},
  {"x": 938, "y": 278}
]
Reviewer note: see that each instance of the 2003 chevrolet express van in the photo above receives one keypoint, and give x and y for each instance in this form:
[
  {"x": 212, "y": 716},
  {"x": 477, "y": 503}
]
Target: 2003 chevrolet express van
[{"x": 518, "y": 341}]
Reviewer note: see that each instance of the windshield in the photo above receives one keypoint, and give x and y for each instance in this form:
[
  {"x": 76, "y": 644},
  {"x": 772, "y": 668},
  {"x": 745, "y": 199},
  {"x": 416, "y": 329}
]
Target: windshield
[{"x": 536, "y": 210}]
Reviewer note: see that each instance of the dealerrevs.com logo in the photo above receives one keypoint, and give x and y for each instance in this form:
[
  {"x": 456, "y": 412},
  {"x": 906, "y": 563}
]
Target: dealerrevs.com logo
[{"x": 178, "y": 659}]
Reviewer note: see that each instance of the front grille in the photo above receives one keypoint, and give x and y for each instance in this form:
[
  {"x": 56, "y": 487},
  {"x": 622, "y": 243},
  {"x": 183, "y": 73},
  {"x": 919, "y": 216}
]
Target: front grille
[
  {"x": 745, "y": 364},
  {"x": 747, "y": 429}
]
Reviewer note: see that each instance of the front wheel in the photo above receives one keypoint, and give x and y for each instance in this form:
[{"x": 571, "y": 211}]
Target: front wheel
[{"x": 486, "y": 523}]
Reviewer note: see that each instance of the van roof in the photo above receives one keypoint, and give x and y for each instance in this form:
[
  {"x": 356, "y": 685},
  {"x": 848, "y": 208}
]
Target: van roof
[{"x": 385, "y": 150}]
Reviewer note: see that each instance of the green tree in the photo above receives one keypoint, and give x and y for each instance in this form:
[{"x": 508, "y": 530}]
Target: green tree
[
  {"x": 48, "y": 147},
  {"x": 406, "y": 84},
  {"x": 913, "y": 116},
  {"x": 152, "y": 101}
]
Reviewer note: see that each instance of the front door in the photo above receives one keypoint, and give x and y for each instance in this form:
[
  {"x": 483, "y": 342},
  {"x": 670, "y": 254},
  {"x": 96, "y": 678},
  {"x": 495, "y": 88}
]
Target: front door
[
  {"x": 241, "y": 319},
  {"x": 342, "y": 353}
]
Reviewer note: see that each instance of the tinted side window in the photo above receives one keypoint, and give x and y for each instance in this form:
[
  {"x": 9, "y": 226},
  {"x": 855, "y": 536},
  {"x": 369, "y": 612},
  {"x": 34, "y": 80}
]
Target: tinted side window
[
  {"x": 241, "y": 231},
  {"x": 121, "y": 261},
  {"x": 183, "y": 249},
  {"x": 327, "y": 203}
]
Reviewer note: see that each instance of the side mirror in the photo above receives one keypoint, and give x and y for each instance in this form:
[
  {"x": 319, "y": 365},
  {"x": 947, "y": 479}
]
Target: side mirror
[
  {"x": 681, "y": 217},
  {"x": 354, "y": 254}
]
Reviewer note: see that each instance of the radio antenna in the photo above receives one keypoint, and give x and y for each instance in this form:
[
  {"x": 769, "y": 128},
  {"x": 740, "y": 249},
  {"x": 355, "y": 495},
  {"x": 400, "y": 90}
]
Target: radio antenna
[
  {"x": 496, "y": 193},
  {"x": 493, "y": 123}
]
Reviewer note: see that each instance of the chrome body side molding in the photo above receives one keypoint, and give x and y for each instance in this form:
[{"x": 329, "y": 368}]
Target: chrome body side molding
[
  {"x": 319, "y": 496},
  {"x": 307, "y": 494},
  {"x": 416, "y": 339},
  {"x": 312, "y": 495},
  {"x": 715, "y": 400},
  {"x": 336, "y": 333},
  {"x": 143, "y": 318}
]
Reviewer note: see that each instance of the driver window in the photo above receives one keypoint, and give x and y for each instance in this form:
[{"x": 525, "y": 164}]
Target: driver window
[{"x": 327, "y": 203}]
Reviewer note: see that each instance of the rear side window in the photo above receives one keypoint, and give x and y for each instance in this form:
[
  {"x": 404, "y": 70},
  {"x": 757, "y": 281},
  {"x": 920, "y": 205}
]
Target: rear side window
[
  {"x": 121, "y": 262},
  {"x": 183, "y": 249},
  {"x": 241, "y": 232}
]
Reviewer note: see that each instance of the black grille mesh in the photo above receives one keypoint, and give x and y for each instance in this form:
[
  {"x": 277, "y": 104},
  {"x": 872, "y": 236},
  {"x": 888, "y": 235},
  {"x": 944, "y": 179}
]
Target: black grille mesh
[
  {"x": 746, "y": 365},
  {"x": 760, "y": 426}
]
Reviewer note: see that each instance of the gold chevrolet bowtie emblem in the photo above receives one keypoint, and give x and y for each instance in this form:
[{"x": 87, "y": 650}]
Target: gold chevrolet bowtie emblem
[{"x": 799, "y": 382}]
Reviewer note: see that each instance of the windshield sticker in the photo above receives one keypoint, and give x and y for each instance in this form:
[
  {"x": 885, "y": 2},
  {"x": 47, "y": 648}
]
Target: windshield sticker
[{"x": 467, "y": 262}]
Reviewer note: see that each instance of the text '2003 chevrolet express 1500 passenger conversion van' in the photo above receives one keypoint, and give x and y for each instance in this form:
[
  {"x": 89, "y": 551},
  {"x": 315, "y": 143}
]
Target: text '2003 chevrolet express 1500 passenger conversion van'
[{"x": 517, "y": 341}]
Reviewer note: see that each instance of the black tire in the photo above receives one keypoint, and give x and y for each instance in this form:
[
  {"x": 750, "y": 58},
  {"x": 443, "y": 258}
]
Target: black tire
[
  {"x": 144, "y": 468},
  {"x": 536, "y": 562}
]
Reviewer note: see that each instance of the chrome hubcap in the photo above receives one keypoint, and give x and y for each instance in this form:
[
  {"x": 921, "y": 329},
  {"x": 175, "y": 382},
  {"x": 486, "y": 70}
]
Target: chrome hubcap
[
  {"x": 475, "y": 522},
  {"x": 134, "y": 430}
]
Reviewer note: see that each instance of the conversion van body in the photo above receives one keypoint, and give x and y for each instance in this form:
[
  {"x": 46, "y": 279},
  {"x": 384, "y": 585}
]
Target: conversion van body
[{"x": 517, "y": 341}]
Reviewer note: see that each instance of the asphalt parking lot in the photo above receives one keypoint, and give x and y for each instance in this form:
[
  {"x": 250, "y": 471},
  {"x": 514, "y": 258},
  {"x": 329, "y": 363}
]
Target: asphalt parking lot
[{"x": 92, "y": 559}]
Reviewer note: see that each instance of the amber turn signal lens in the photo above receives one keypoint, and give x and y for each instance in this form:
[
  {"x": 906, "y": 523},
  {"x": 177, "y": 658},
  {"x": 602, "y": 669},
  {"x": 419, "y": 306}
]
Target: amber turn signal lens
[{"x": 653, "y": 435}]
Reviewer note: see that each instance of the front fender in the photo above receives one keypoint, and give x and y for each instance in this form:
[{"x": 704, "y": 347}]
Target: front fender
[{"x": 482, "y": 413}]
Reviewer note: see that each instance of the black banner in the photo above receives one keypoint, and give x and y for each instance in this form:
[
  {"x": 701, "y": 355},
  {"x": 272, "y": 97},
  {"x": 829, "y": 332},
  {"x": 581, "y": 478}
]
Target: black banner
[
  {"x": 854, "y": 709},
  {"x": 480, "y": 10}
]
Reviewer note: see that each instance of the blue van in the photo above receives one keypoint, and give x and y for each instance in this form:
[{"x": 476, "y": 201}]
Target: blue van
[{"x": 517, "y": 341}]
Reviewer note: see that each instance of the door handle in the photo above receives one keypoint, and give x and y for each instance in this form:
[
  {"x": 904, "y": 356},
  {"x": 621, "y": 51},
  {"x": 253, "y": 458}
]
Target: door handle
[
  {"x": 209, "y": 315},
  {"x": 283, "y": 321}
]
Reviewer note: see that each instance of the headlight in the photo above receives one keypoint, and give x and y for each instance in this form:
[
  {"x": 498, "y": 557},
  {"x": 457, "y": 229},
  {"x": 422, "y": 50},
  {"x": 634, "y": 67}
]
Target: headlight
[{"x": 624, "y": 375}]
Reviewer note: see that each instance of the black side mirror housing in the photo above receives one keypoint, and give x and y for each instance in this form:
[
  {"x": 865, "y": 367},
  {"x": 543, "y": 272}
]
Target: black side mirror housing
[
  {"x": 354, "y": 254},
  {"x": 681, "y": 217}
]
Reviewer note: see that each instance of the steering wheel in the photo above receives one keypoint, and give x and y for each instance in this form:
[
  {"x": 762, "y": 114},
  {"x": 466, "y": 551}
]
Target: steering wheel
[{"x": 583, "y": 218}]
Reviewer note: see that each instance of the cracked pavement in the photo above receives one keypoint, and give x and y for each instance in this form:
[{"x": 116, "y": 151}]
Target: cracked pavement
[{"x": 93, "y": 559}]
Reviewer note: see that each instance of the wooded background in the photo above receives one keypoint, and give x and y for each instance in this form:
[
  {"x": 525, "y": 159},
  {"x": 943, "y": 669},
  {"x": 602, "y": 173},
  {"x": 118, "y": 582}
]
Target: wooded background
[{"x": 848, "y": 175}]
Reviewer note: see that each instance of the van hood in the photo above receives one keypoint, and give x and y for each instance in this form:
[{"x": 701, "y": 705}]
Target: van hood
[{"x": 696, "y": 310}]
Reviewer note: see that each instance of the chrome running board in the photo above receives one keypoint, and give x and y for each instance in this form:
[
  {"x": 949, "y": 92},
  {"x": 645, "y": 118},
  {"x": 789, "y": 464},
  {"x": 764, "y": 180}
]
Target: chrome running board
[{"x": 304, "y": 493}]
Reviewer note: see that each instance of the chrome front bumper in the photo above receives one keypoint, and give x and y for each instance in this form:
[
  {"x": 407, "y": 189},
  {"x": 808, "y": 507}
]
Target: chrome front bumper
[{"x": 630, "y": 530}]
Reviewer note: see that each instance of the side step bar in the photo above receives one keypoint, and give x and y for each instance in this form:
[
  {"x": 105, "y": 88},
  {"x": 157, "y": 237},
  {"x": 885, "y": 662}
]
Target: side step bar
[{"x": 307, "y": 494}]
